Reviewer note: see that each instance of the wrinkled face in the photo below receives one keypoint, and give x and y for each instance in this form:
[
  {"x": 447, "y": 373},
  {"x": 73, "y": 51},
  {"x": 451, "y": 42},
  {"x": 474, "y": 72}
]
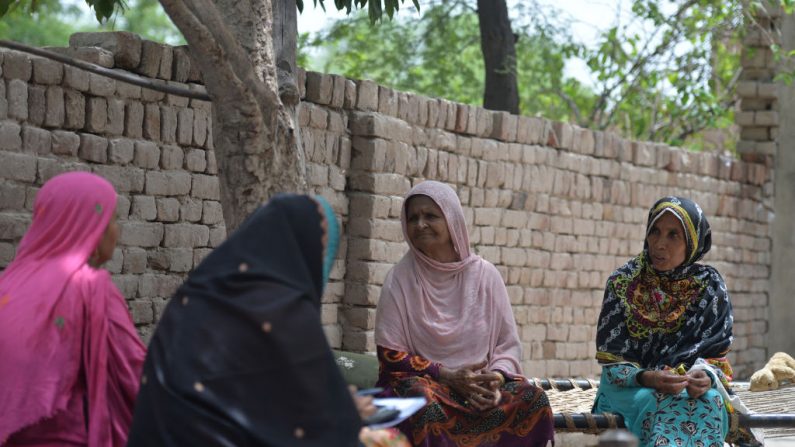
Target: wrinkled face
[
  {"x": 108, "y": 242},
  {"x": 427, "y": 228},
  {"x": 667, "y": 243}
]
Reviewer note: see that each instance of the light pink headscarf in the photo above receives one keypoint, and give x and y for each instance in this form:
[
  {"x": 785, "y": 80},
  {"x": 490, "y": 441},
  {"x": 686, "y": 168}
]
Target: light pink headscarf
[
  {"x": 65, "y": 332},
  {"x": 455, "y": 313}
]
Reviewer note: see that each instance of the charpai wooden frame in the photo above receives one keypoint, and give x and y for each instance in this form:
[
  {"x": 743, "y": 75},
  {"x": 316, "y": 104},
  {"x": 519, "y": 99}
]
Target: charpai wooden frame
[{"x": 572, "y": 399}]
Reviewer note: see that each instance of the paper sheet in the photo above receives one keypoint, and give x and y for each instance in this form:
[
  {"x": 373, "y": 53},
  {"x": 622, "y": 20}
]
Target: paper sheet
[{"x": 406, "y": 405}]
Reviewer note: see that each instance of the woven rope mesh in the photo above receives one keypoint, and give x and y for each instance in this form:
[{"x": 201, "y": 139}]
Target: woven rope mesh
[{"x": 779, "y": 401}]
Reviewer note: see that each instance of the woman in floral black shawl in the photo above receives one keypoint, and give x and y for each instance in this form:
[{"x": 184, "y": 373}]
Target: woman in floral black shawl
[{"x": 663, "y": 334}]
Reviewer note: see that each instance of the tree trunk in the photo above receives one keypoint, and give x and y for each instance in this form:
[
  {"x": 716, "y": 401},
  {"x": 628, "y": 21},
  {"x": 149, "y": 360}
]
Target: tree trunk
[
  {"x": 285, "y": 45},
  {"x": 254, "y": 133},
  {"x": 498, "y": 44}
]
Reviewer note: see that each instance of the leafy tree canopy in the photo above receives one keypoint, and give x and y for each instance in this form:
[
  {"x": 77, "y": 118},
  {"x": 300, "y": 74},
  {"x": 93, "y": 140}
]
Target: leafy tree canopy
[
  {"x": 374, "y": 8},
  {"x": 438, "y": 54},
  {"x": 105, "y": 9},
  {"x": 51, "y": 22},
  {"x": 665, "y": 72}
]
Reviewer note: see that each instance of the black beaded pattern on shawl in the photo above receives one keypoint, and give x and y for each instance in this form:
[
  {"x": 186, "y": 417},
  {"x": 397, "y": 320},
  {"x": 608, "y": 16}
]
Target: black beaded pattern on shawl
[{"x": 239, "y": 356}]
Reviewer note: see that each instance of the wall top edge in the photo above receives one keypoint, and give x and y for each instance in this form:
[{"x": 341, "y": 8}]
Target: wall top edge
[{"x": 127, "y": 51}]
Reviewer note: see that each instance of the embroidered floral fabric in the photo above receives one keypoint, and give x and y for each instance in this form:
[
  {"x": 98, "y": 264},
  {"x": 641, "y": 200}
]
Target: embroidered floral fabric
[
  {"x": 397, "y": 364},
  {"x": 622, "y": 375},
  {"x": 523, "y": 418},
  {"x": 388, "y": 437},
  {"x": 657, "y": 320},
  {"x": 661, "y": 419}
]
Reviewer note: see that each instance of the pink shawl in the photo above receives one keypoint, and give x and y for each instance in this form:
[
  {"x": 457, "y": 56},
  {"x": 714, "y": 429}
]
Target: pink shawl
[
  {"x": 64, "y": 326},
  {"x": 455, "y": 313}
]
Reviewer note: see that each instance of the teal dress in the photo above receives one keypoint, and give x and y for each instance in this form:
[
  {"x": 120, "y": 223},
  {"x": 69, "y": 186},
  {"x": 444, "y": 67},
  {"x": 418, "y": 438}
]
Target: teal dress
[{"x": 661, "y": 419}]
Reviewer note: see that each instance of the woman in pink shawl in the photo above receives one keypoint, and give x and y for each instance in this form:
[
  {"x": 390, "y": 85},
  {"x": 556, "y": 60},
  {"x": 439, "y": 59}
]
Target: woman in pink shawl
[
  {"x": 445, "y": 330},
  {"x": 70, "y": 358}
]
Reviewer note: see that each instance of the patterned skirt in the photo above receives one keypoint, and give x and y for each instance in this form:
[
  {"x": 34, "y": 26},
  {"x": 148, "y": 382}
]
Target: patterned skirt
[
  {"x": 523, "y": 417},
  {"x": 667, "y": 420}
]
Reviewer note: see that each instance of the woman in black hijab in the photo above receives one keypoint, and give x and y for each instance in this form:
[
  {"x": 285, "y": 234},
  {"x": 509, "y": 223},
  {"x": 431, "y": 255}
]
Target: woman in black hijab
[
  {"x": 239, "y": 357},
  {"x": 663, "y": 335}
]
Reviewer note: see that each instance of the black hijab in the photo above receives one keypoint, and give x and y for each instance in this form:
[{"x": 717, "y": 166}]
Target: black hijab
[
  {"x": 658, "y": 319},
  {"x": 239, "y": 357}
]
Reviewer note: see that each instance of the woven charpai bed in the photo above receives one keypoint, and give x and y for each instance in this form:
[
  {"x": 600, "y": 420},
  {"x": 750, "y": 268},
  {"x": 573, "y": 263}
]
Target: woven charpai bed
[{"x": 571, "y": 401}]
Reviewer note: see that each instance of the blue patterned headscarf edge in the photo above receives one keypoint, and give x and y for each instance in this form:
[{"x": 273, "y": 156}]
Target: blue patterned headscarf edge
[{"x": 330, "y": 251}]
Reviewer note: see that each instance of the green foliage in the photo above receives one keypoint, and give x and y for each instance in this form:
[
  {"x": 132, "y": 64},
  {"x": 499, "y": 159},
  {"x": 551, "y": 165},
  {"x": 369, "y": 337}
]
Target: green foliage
[
  {"x": 375, "y": 11},
  {"x": 51, "y": 22},
  {"x": 439, "y": 55},
  {"x": 412, "y": 62},
  {"x": 147, "y": 19},
  {"x": 302, "y": 56},
  {"x": 103, "y": 9},
  {"x": 667, "y": 74}
]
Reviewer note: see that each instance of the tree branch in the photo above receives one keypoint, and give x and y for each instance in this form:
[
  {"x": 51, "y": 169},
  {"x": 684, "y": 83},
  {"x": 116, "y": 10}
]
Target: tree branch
[
  {"x": 255, "y": 140},
  {"x": 216, "y": 47},
  {"x": 642, "y": 60},
  {"x": 572, "y": 105}
]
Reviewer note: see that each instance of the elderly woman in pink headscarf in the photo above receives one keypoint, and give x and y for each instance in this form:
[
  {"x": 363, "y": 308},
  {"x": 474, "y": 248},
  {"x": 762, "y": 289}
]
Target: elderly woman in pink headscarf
[
  {"x": 445, "y": 331},
  {"x": 70, "y": 358}
]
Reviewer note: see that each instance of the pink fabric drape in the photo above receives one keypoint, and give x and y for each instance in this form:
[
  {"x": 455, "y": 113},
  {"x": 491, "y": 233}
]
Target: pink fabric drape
[
  {"x": 455, "y": 313},
  {"x": 66, "y": 336}
]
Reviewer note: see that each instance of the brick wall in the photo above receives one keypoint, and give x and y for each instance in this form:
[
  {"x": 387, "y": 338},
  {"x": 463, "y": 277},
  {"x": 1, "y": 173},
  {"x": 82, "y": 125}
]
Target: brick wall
[
  {"x": 554, "y": 206},
  {"x": 758, "y": 114}
]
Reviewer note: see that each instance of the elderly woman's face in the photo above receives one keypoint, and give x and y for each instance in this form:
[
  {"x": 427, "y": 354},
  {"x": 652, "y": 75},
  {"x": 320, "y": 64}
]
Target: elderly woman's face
[
  {"x": 427, "y": 228},
  {"x": 667, "y": 243}
]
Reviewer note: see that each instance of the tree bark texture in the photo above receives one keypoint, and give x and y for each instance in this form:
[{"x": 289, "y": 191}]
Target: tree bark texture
[
  {"x": 254, "y": 134},
  {"x": 285, "y": 46},
  {"x": 498, "y": 44}
]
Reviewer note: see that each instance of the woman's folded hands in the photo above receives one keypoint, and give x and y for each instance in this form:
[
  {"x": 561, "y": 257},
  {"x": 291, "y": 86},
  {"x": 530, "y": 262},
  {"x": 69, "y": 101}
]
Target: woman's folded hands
[
  {"x": 696, "y": 383},
  {"x": 480, "y": 388}
]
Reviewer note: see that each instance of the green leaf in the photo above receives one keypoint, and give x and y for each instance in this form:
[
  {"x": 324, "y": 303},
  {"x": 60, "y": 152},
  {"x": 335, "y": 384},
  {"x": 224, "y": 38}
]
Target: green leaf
[
  {"x": 104, "y": 9},
  {"x": 342, "y": 4},
  {"x": 5, "y": 5},
  {"x": 374, "y": 10}
]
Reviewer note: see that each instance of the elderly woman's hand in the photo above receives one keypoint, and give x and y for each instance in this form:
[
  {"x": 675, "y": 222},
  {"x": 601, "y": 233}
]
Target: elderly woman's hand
[
  {"x": 698, "y": 383},
  {"x": 663, "y": 381},
  {"x": 473, "y": 384}
]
